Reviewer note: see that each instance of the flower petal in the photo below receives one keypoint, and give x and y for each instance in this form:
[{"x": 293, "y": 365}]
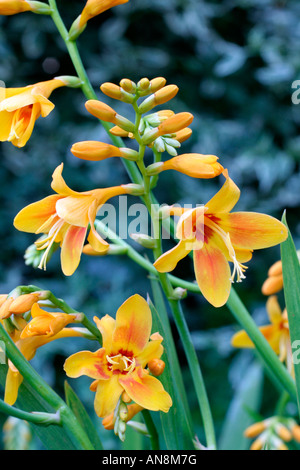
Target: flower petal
[
  {"x": 12, "y": 384},
  {"x": 95, "y": 240},
  {"x": 153, "y": 350},
  {"x": 253, "y": 231},
  {"x": 59, "y": 185},
  {"x": 272, "y": 335},
  {"x": 94, "y": 365},
  {"x": 106, "y": 325},
  {"x": 212, "y": 274},
  {"x": 226, "y": 198},
  {"x": 168, "y": 261},
  {"x": 71, "y": 249},
  {"x": 274, "y": 310},
  {"x": 146, "y": 391},
  {"x": 32, "y": 217},
  {"x": 107, "y": 396},
  {"x": 6, "y": 119},
  {"x": 133, "y": 326}
]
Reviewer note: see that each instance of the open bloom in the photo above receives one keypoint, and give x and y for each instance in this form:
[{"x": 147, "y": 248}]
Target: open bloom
[
  {"x": 276, "y": 333},
  {"x": 65, "y": 218},
  {"x": 216, "y": 236},
  {"x": 46, "y": 323},
  {"x": 120, "y": 364},
  {"x": 28, "y": 347},
  {"x": 21, "y": 107}
]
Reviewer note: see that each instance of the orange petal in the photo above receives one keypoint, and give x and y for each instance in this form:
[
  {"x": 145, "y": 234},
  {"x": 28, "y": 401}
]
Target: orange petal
[
  {"x": 75, "y": 210},
  {"x": 94, "y": 365},
  {"x": 59, "y": 185},
  {"x": 242, "y": 340},
  {"x": 32, "y": 217},
  {"x": 107, "y": 396},
  {"x": 106, "y": 325},
  {"x": 22, "y": 140},
  {"x": 71, "y": 249},
  {"x": 168, "y": 261},
  {"x": 133, "y": 326},
  {"x": 146, "y": 390},
  {"x": 6, "y": 119},
  {"x": 212, "y": 274},
  {"x": 225, "y": 199},
  {"x": 272, "y": 285},
  {"x": 153, "y": 350},
  {"x": 253, "y": 231},
  {"x": 195, "y": 165},
  {"x": 95, "y": 240}
]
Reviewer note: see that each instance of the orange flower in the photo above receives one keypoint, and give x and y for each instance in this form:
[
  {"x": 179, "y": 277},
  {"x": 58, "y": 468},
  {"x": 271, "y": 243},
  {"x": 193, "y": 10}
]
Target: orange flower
[
  {"x": 11, "y": 7},
  {"x": 96, "y": 7},
  {"x": 65, "y": 217},
  {"x": 45, "y": 323},
  {"x": 21, "y": 107},
  {"x": 216, "y": 236},
  {"x": 120, "y": 364},
  {"x": 277, "y": 333},
  {"x": 28, "y": 347}
]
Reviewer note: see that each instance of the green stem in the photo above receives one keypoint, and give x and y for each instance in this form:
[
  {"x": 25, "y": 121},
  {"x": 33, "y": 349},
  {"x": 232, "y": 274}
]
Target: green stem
[
  {"x": 68, "y": 420},
  {"x": 42, "y": 419},
  {"x": 153, "y": 434}
]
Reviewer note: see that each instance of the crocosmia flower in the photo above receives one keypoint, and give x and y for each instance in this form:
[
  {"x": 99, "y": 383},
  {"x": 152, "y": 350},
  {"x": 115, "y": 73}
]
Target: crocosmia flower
[
  {"x": 96, "y": 7},
  {"x": 217, "y": 236},
  {"x": 65, "y": 218},
  {"x": 120, "y": 365},
  {"x": 21, "y": 107}
]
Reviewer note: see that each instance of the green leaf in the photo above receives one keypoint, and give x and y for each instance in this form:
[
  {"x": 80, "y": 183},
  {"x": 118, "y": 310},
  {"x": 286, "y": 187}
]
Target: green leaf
[
  {"x": 53, "y": 437},
  {"x": 176, "y": 424},
  {"x": 82, "y": 416},
  {"x": 247, "y": 397},
  {"x": 291, "y": 283}
]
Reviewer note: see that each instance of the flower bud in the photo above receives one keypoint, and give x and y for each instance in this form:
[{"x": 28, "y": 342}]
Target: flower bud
[
  {"x": 123, "y": 412},
  {"x": 128, "y": 85},
  {"x": 179, "y": 293},
  {"x": 160, "y": 97},
  {"x": 296, "y": 432},
  {"x": 116, "y": 92},
  {"x": 105, "y": 113},
  {"x": 117, "y": 131},
  {"x": 272, "y": 285},
  {"x": 134, "y": 189},
  {"x": 23, "y": 303},
  {"x": 175, "y": 123},
  {"x": 157, "y": 83},
  {"x": 255, "y": 429},
  {"x": 95, "y": 151},
  {"x": 4, "y": 309},
  {"x": 275, "y": 269},
  {"x": 183, "y": 135},
  {"x": 72, "y": 82},
  {"x": 3, "y": 298},
  {"x": 284, "y": 433},
  {"x": 156, "y": 367},
  {"x": 143, "y": 84},
  {"x": 143, "y": 240}
]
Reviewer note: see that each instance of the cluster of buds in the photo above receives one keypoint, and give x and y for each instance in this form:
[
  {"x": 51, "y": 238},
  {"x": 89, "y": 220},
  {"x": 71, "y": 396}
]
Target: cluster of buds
[
  {"x": 123, "y": 414},
  {"x": 162, "y": 131},
  {"x": 14, "y": 304},
  {"x": 273, "y": 433}
]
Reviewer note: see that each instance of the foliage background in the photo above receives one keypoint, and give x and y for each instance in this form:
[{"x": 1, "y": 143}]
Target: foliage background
[{"x": 234, "y": 62}]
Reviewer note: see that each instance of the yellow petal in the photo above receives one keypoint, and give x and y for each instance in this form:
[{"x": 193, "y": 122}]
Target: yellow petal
[
  {"x": 32, "y": 217},
  {"x": 107, "y": 396},
  {"x": 146, "y": 391},
  {"x": 153, "y": 350},
  {"x": 12, "y": 384},
  {"x": 59, "y": 185},
  {"x": 226, "y": 198},
  {"x": 133, "y": 326},
  {"x": 94, "y": 365},
  {"x": 274, "y": 310},
  {"x": 106, "y": 325},
  {"x": 168, "y": 261}
]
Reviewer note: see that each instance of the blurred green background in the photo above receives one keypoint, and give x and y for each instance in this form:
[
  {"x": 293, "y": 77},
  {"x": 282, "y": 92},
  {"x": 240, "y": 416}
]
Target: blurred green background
[{"x": 234, "y": 62}]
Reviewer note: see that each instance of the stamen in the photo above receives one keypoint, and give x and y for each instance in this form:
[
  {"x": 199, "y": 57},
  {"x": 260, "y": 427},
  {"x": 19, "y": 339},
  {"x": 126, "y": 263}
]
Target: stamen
[
  {"x": 49, "y": 242},
  {"x": 238, "y": 268}
]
